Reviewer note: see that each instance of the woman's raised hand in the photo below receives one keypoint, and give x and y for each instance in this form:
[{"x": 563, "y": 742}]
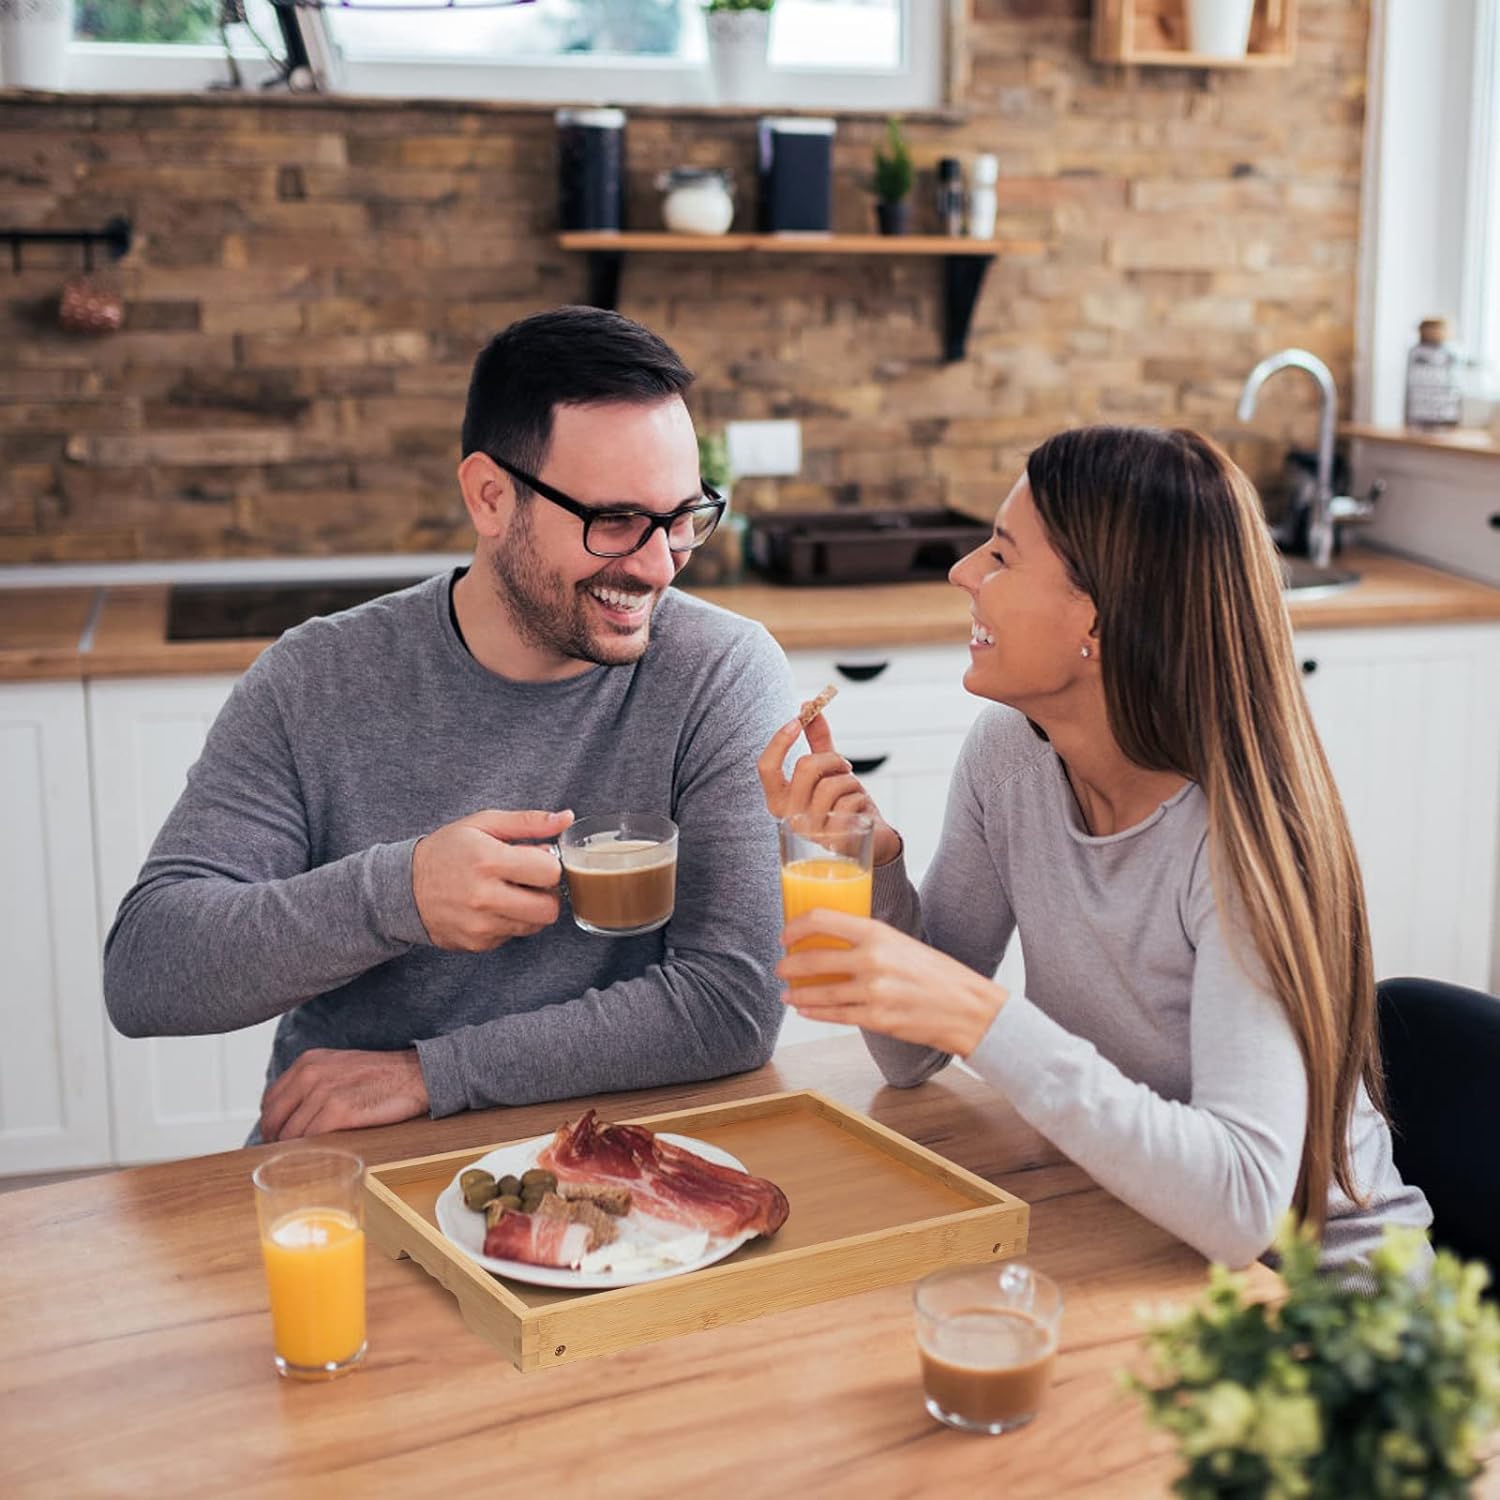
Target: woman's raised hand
[
  {"x": 821, "y": 782},
  {"x": 885, "y": 981}
]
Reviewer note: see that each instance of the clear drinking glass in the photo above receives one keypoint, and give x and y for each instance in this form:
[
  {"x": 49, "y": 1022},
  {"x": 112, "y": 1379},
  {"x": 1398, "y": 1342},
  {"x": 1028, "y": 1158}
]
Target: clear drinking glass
[
  {"x": 826, "y": 862},
  {"x": 622, "y": 872},
  {"x": 311, "y": 1206},
  {"x": 987, "y": 1336}
]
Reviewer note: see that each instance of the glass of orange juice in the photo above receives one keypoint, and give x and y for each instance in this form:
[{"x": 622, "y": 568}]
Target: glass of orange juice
[
  {"x": 826, "y": 864},
  {"x": 310, "y": 1203}
]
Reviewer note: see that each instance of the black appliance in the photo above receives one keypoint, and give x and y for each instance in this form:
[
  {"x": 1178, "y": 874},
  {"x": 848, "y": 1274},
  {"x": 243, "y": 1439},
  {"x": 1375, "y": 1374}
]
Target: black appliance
[
  {"x": 795, "y": 160},
  {"x": 591, "y": 168}
]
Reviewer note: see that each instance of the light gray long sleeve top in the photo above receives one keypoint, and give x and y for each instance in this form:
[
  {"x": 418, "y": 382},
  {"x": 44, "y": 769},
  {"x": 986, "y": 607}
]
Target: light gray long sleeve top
[
  {"x": 281, "y": 882},
  {"x": 1141, "y": 1047}
]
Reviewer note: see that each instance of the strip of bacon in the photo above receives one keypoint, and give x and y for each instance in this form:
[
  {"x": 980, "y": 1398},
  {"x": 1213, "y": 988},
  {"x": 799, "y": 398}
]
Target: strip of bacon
[
  {"x": 666, "y": 1181},
  {"x": 535, "y": 1240}
]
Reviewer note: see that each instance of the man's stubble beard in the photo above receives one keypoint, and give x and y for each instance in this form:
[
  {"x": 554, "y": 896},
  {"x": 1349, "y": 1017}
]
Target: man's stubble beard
[{"x": 546, "y": 613}]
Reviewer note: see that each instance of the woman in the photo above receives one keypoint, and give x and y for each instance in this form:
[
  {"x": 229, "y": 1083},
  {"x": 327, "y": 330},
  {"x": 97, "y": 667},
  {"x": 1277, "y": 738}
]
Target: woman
[{"x": 1151, "y": 811}]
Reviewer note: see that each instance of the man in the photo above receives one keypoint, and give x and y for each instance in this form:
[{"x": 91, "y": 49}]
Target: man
[{"x": 362, "y": 848}]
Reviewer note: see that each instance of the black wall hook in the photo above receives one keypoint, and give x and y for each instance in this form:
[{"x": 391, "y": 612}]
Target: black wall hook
[{"x": 115, "y": 237}]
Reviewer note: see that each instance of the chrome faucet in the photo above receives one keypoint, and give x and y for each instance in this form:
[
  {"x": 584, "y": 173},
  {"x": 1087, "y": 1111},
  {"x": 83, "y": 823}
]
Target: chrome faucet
[{"x": 1320, "y": 530}]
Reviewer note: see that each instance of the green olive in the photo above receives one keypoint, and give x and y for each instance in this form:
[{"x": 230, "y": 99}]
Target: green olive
[
  {"x": 478, "y": 1193},
  {"x": 510, "y": 1184},
  {"x": 507, "y": 1200},
  {"x": 536, "y": 1177},
  {"x": 531, "y": 1201},
  {"x": 474, "y": 1174}
]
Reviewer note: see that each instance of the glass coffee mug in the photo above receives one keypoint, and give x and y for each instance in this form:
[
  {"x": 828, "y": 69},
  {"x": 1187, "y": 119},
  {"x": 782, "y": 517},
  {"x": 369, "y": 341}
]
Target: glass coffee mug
[
  {"x": 311, "y": 1206},
  {"x": 987, "y": 1336},
  {"x": 621, "y": 872}
]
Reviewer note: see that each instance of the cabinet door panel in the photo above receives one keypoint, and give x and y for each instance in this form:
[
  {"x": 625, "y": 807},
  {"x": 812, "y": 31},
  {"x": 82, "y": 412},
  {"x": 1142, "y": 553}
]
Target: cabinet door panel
[
  {"x": 173, "y": 1096},
  {"x": 1410, "y": 720},
  {"x": 54, "y": 1097}
]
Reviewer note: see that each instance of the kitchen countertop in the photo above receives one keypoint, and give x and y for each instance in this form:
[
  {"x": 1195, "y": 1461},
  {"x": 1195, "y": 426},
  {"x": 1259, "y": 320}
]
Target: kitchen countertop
[
  {"x": 111, "y": 631},
  {"x": 138, "y": 1345}
]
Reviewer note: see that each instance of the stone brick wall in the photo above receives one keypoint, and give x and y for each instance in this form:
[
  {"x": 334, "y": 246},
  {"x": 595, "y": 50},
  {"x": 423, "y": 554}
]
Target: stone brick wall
[{"x": 312, "y": 279}]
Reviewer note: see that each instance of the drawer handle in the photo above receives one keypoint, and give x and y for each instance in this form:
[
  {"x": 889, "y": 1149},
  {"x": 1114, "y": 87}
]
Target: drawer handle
[
  {"x": 864, "y": 766},
  {"x": 861, "y": 674},
  {"x": 1309, "y": 667}
]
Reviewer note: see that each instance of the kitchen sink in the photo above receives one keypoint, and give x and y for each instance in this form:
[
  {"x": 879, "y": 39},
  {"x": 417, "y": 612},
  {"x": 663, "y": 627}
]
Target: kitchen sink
[
  {"x": 1304, "y": 578},
  {"x": 262, "y": 611}
]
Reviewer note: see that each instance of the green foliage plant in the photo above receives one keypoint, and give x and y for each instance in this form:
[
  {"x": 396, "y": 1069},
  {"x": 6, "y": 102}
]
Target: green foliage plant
[
  {"x": 720, "y": 7},
  {"x": 893, "y": 167},
  {"x": 1377, "y": 1388},
  {"x": 713, "y": 460}
]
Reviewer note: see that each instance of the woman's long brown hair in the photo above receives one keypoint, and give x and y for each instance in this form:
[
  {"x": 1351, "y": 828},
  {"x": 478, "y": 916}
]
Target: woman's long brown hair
[{"x": 1166, "y": 536}]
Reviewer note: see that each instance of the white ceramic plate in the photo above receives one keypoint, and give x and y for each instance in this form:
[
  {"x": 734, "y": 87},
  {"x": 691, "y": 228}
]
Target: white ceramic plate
[{"x": 466, "y": 1228}]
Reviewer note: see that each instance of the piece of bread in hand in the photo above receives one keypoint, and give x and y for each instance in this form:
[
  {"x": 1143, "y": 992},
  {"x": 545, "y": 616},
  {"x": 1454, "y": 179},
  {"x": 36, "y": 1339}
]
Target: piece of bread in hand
[{"x": 811, "y": 709}]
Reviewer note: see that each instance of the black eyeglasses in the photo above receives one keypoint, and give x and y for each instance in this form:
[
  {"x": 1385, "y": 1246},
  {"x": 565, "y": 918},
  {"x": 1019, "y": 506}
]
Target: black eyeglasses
[{"x": 617, "y": 531}]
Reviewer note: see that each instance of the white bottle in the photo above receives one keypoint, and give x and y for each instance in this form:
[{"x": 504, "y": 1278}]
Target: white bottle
[{"x": 982, "y": 201}]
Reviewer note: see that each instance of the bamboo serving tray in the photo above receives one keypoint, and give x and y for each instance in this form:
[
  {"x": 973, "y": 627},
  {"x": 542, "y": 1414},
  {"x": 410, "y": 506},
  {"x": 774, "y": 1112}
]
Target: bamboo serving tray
[{"x": 869, "y": 1208}]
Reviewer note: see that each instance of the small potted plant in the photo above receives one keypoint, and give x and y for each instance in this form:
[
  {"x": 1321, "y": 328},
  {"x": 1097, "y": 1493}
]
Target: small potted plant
[
  {"x": 1374, "y": 1389},
  {"x": 892, "y": 180},
  {"x": 725, "y": 559},
  {"x": 738, "y": 31}
]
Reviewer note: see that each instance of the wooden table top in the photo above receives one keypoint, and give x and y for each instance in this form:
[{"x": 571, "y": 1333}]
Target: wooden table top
[
  {"x": 41, "y": 630},
  {"x": 138, "y": 1354}
]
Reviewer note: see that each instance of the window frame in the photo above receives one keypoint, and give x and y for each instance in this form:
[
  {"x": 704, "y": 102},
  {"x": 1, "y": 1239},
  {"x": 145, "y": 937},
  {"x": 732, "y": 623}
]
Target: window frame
[
  {"x": 922, "y": 84},
  {"x": 1425, "y": 247}
]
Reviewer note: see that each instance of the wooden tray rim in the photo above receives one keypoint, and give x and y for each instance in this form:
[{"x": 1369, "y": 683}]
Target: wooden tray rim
[{"x": 995, "y": 1199}]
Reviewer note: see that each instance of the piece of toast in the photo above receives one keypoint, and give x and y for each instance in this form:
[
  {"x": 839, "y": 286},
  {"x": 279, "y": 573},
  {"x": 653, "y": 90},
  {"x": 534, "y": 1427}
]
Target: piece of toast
[
  {"x": 602, "y": 1229},
  {"x": 613, "y": 1200},
  {"x": 810, "y": 710}
]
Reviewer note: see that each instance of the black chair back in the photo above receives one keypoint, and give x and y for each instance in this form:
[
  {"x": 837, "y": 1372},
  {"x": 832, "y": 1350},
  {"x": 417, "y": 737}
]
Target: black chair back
[{"x": 1441, "y": 1048}]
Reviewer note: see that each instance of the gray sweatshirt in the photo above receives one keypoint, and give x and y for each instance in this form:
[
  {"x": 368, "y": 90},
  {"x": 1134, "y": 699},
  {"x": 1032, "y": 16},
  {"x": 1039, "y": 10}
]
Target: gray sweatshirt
[
  {"x": 1141, "y": 1048},
  {"x": 281, "y": 882}
]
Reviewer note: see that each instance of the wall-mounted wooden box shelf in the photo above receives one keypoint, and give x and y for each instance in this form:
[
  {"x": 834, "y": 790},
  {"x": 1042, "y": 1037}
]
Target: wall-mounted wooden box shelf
[
  {"x": 1154, "y": 33},
  {"x": 964, "y": 261}
]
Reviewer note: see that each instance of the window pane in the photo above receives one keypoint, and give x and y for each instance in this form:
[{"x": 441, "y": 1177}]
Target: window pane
[
  {"x": 168, "y": 22},
  {"x": 804, "y": 33},
  {"x": 146, "y": 20},
  {"x": 541, "y": 31},
  {"x": 836, "y": 34}
]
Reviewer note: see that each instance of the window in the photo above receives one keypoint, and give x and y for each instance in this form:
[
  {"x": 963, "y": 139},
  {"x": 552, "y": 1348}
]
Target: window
[
  {"x": 172, "y": 44},
  {"x": 1431, "y": 211},
  {"x": 875, "y": 54},
  {"x": 1481, "y": 301}
]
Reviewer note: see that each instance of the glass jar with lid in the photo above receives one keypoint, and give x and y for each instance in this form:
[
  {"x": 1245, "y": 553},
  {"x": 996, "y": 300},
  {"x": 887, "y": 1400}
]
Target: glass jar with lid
[
  {"x": 1434, "y": 379},
  {"x": 698, "y": 200}
]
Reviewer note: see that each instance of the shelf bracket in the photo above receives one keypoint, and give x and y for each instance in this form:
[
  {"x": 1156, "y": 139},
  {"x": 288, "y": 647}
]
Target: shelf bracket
[
  {"x": 604, "y": 278},
  {"x": 115, "y": 236},
  {"x": 963, "y": 275}
]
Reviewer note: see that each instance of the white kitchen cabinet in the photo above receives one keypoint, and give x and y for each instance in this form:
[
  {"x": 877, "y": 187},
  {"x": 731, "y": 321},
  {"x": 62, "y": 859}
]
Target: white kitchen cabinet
[
  {"x": 172, "y": 1096},
  {"x": 1410, "y": 718},
  {"x": 54, "y": 1092}
]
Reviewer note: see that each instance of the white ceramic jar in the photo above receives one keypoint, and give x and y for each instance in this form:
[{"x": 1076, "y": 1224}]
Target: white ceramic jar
[{"x": 697, "y": 200}]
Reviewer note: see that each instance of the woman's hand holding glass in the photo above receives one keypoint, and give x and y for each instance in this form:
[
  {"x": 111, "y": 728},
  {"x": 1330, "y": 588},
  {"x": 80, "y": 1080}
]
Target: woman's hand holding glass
[
  {"x": 883, "y": 980},
  {"x": 822, "y": 782},
  {"x": 888, "y": 982}
]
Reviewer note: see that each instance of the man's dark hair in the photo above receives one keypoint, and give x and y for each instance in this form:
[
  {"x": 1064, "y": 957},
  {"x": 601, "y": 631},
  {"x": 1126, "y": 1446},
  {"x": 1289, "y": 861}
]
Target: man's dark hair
[{"x": 570, "y": 356}]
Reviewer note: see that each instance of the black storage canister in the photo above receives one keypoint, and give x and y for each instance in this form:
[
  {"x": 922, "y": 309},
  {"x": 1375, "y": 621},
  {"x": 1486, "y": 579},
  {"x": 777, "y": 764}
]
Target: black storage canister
[
  {"x": 591, "y": 168},
  {"x": 796, "y": 174}
]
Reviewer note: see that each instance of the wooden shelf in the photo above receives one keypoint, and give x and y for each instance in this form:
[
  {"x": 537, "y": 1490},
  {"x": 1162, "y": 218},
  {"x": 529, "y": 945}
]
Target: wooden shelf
[
  {"x": 1153, "y": 33},
  {"x": 964, "y": 261}
]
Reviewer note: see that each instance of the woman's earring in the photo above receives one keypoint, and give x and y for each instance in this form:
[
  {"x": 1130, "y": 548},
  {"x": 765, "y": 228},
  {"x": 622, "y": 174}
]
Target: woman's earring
[{"x": 1083, "y": 651}]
